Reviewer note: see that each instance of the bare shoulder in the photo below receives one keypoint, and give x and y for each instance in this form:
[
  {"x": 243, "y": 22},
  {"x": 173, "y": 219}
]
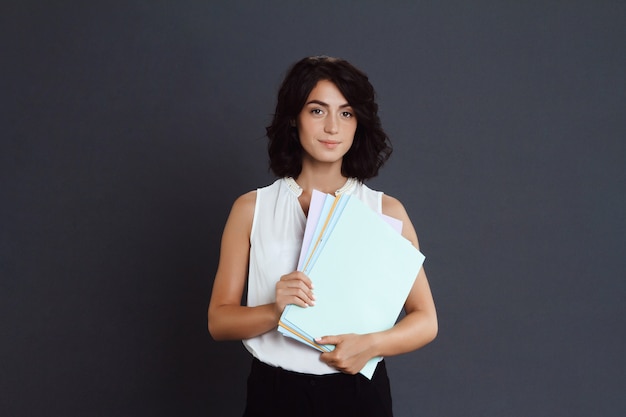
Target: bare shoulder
[
  {"x": 242, "y": 212},
  {"x": 246, "y": 201},
  {"x": 394, "y": 208}
]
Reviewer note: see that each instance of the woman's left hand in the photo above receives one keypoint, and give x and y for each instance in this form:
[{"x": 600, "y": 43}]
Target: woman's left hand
[{"x": 351, "y": 353}]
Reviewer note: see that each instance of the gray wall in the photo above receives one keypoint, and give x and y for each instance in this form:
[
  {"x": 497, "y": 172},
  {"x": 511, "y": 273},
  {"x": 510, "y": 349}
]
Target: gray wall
[{"x": 128, "y": 129}]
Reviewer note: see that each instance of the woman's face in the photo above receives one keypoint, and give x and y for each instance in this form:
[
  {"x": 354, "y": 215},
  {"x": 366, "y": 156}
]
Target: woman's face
[{"x": 326, "y": 124}]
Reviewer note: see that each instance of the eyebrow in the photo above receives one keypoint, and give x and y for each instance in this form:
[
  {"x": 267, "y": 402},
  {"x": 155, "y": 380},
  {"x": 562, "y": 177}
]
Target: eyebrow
[{"x": 321, "y": 103}]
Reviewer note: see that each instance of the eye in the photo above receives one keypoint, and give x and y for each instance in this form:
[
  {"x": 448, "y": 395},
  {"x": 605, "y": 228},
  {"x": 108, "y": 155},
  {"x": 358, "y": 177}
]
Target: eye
[
  {"x": 346, "y": 114},
  {"x": 317, "y": 111}
]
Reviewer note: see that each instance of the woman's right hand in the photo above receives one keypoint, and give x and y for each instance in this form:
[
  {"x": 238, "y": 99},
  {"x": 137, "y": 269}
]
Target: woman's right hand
[{"x": 294, "y": 288}]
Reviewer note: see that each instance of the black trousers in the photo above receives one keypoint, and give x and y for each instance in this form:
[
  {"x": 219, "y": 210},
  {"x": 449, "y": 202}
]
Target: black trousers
[{"x": 276, "y": 392}]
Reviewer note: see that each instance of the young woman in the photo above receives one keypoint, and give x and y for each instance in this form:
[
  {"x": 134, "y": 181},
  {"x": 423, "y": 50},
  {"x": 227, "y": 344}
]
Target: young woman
[{"x": 325, "y": 135}]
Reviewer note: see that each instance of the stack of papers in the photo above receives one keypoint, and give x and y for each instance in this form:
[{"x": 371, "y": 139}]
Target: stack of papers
[{"x": 362, "y": 269}]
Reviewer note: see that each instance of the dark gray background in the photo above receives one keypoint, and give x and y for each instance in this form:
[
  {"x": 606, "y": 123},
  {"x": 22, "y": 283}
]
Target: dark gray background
[{"x": 127, "y": 130}]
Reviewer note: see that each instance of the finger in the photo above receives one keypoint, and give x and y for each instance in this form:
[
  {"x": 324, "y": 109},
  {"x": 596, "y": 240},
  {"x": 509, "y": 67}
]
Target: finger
[
  {"x": 331, "y": 359},
  {"x": 294, "y": 295},
  {"x": 295, "y": 283},
  {"x": 297, "y": 276},
  {"x": 299, "y": 302},
  {"x": 302, "y": 277},
  {"x": 328, "y": 340},
  {"x": 296, "y": 288}
]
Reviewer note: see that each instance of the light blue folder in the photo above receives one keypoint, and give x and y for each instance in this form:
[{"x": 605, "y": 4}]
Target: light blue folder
[{"x": 362, "y": 270}]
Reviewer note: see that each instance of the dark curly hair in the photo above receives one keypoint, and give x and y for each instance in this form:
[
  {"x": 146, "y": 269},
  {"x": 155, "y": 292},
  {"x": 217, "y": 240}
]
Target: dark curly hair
[{"x": 371, "y": 146}]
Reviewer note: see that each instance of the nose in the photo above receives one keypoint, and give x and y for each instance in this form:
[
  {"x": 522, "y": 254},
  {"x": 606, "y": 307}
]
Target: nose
[{"x": 331, "y": 125}]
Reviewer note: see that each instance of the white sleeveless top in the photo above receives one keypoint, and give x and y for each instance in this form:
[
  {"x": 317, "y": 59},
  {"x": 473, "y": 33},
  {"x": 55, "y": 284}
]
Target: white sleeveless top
[{"x": 275, "y": 241}]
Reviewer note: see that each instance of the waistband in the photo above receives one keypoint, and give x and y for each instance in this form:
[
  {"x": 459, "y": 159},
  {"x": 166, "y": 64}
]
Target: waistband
[{"x": 381, "y": 369}]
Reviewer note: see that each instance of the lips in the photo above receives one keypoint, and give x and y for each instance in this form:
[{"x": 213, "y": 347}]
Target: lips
[{"x": 329, "y": 143}]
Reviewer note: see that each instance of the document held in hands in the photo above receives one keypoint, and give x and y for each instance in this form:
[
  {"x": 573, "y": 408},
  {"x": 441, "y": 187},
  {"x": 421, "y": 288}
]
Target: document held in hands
[{"x": 362, "y": 270}]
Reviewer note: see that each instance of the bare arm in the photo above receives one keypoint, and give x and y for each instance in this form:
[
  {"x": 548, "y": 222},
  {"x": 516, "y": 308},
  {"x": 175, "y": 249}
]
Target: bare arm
[
  {"x": 227, "y": 318},
  {"x": 416, "y": 329}
]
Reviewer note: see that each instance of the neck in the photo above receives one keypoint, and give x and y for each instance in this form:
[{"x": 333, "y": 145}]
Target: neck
[
  {"x": 324, "y": 182},
  {"x": 324, "y": 177}
]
